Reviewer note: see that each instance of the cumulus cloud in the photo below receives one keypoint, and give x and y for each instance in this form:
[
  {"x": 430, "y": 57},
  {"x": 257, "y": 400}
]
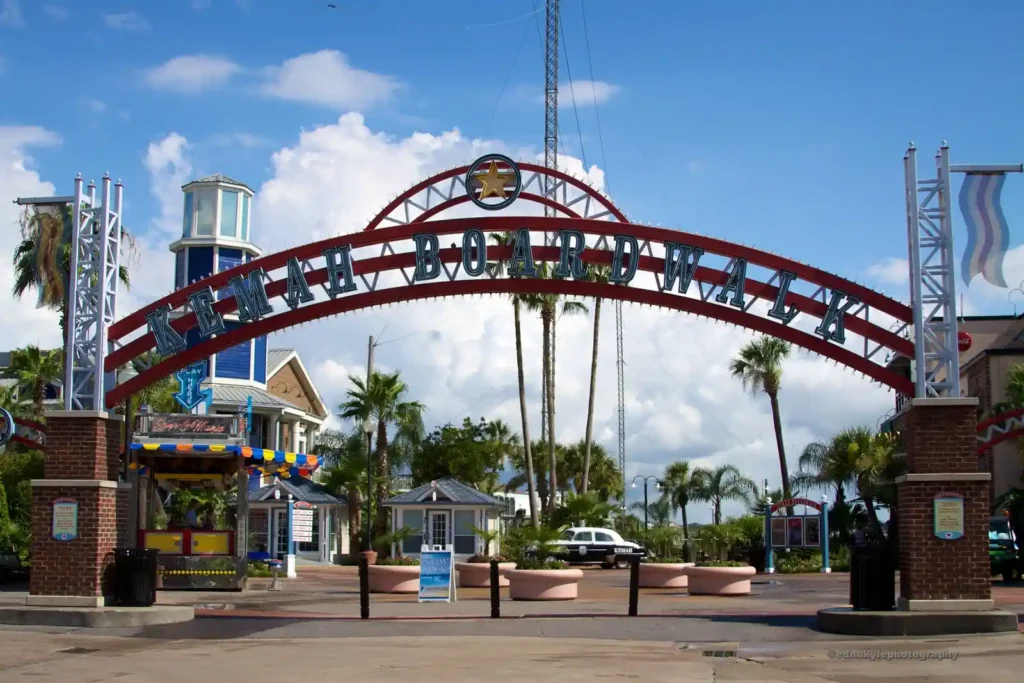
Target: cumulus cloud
[
  {"x": 169, "y": 168},
  {"x": 586, "y": 93},
  {"x": 192, "y": 74},
  {"x": 326, "y": 78},
  {"x": 126, "y": 21}
]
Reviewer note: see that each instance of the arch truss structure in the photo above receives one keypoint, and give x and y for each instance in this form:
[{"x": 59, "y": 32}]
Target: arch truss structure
[
  {"x": 1000, "y": 428},
  {"x": 649, "y": 266}
]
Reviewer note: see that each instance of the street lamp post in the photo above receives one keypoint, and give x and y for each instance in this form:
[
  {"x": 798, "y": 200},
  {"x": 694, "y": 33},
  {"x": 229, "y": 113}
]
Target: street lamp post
[
  {"x": 131, "y": 477},
  {"x": 646, "y": 480},
  {"x": 368, "y": 429}
]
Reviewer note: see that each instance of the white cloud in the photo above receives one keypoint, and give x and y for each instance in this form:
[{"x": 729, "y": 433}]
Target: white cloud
[
  {"x": 127, "y": 21},
  {"x": 192, "y": 73},
  {"x": 10, "y": 14},
  {"x": 23, "y": 322},
  {"x": 326, "y": 78},
  {"x": 891, "y": 271},
  {"x": 96, "y": 106},
  {"x": 243, "y": 140},
  {"x": 57, "y": 12},
  {"x": 169, "y": 168},
  {"x": 586, "y": 93}
]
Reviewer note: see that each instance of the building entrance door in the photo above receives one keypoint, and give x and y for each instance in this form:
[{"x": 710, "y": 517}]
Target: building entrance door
[
  {"x": 438, "y": 530},
  {"x": 280, "y": 534}
]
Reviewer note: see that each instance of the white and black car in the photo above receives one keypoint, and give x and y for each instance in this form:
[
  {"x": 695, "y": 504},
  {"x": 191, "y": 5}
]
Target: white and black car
[{"x": 595, "y": 545}]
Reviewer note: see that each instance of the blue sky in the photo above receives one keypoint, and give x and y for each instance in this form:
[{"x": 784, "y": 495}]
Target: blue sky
[{"x": 781, "y": 125}]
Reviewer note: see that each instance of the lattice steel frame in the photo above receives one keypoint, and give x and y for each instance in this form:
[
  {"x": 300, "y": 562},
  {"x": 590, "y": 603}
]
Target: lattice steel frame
[
  {"x": 932, "y": 278},
  {"x": 92, "y": 293}
]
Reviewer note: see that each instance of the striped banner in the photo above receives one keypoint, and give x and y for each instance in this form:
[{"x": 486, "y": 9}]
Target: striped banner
[{"x": 988, "y": 236}]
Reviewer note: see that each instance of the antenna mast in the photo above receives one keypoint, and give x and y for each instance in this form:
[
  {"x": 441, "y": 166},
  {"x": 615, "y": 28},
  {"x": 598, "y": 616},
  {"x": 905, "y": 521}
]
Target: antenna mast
[{"x": 550, "y": 154}]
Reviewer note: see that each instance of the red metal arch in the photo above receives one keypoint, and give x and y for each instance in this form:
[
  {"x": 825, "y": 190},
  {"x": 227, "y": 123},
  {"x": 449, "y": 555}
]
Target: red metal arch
[
  {"x": 999, "y": 428},
  {"x": 462, "y": 170},
  {"x": 423, "y": 291},
  {"x": 790, "y": 502}
]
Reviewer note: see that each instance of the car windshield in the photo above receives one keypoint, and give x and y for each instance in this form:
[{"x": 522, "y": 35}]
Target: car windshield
[
  {"x": 999, "y": 530},
  {"x": 568, "y": 534}
]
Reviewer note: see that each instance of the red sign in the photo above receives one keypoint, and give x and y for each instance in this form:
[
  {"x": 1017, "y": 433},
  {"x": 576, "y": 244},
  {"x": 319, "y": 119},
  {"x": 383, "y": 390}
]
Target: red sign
[
  {"x": 303, "y": 505},
  {"x": 792, "y": 502},
  {"x": 184, "y": 425},
  {"x": 963, "y": 341}
]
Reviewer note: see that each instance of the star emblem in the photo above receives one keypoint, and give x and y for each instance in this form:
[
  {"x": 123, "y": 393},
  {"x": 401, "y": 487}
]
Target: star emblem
[{"x": 492, "y": 183}]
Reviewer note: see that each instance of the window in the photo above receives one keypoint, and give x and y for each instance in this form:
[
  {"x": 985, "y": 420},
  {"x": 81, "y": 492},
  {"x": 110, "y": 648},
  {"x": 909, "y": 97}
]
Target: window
[
  {"x": 313, "y": 545},
  {"x": 414, "y": 520},
  {"x": 603, "y": 537},
  {"x": 584, "y": 536},
  {"x": 188, "y": 215},
  {"x": 245, "y": 217},
  {"x": 206, "y": 206},
  {"x": 568, "y": 534},
  {"x": 228, "y": 213},
  {"x": 465, "y": 537}
]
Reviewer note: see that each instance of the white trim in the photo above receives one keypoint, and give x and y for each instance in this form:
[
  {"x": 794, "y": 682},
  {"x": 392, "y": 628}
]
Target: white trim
[
  {"x": 210, "y": 241},
  {"x": 75, "y": 483},
  {"x": 93, "y": 414},
  {"x": 308, "y": 380},
  {"x": 944, "y": 402},
  {"x": 904, "y": 605},
  {"x": 216, "y": 183},
  {"x": 944, "y": 476},
  {"x": 277, "y": 368},
  {"x": 65, "y": 601}
]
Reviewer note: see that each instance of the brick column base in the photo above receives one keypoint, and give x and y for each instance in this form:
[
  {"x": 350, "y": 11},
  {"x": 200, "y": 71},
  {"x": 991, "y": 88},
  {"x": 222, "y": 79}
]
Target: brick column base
[
  {"x": 936, "y": 574},
  {"x": 81, "y": 464}
]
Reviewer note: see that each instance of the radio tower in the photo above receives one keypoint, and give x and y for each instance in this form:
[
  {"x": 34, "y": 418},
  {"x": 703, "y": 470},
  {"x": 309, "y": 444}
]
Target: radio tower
[
  {"x": 550, "y": 156},
  {"x": 620, "y": 365}
]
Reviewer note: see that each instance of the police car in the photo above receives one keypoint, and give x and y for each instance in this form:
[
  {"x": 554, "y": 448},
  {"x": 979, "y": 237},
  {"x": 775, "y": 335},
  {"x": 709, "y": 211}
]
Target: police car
[{"x": 595, "y": 545}]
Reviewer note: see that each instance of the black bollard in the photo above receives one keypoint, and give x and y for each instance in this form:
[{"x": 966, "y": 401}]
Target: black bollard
[
  {"x": 364, "y": 587},
  {"x": 634, "y": 584},
  {"x": 495, "y": 591}
]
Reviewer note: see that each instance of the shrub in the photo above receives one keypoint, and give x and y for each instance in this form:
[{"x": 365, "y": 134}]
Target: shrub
[
  {"x": 722, "y": 563},
  {"x": 534, "y": 563},
  {"x": 399, "y": 562},
  {"x": 651, "y": 559},
  {"x": 485, "y": 559},
  {"x": 258, "y": 570}
]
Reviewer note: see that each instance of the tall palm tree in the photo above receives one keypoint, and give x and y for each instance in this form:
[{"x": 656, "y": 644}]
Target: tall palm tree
[
  {"x": 878, "y": 465},
  {"x": 34, "y": 369},
  {"x": 505, "y": 444},
  {"x": 605, "y": 477},
  {"x": 506, "y": 239},
  {"x": 600, "y": 275},
  {"x": 721, "y": 484},
  {"x": 27, "y": 272},
  {"x": 383, "y": 402},
  {"x": 550, "y": 306},
  {"x": 828, "y": 464},
  {"x": 344, "y": 458},
  {"x": 679, "y": 485},
  {"x": 659, "y": 511},
  {"x": 759, "y": 368}
]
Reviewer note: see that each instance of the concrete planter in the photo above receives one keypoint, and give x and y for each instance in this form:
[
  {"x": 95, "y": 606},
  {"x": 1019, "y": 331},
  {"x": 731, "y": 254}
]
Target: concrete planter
[
  {"x": 543, "y": 584},
  {"x": 394, "y": 578},
  {"x": 719, "y": 580},
  {"x": 664, "y": 575},
  {"x": 478, "y": 574}
]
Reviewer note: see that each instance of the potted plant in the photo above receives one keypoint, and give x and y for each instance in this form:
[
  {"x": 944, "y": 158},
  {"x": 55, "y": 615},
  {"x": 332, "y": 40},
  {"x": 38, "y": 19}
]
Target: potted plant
[
  {"x": 475, "y": 572},
  {"x": 398, "y": 574},
  {"x": 663, "y": 568},
  {"x": 543, "y": 576},
  {"x": 720, "y": 577}
]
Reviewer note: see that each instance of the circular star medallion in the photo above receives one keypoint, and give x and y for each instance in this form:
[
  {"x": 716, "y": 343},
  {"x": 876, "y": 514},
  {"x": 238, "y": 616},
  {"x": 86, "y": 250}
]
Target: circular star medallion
[
  {"x": 493, "y": 176},
  {"x": 6, "y": 426}
]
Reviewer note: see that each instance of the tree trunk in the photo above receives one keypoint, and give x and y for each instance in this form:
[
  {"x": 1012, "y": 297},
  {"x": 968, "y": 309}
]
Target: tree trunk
[
  {"x": 552, "y": 464},
  {"x": 38, "y": 396},
  {"x": 716, "y": 509},
  {"x": 686, "y": 530},
  {"x": 876, "y": 526},
  {"x": 355, "y": 519},
  {"x": 840, "y": 495},
  {"x": 380, "y": 520},
  {"x": 783, "y": 466},
  {"x": 527, "y": 451},
  {"x": 590, "y": 404}
]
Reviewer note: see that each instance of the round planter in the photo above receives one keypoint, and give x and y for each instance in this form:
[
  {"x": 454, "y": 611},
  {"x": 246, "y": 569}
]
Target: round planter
[
  {"x": 370, "y": 555},
  {"x": 719, "y": 580},
  {"x": 543, "y": 584},
  {"x": 663, "y": 575},
  {"x": 478, "y": 574},
  {"x": 394, "y": 578}
]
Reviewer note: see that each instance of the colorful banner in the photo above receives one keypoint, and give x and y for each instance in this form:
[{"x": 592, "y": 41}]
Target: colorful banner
[
  {"x": 436, "y": 578},
  {"x": 988, "y": 236}
]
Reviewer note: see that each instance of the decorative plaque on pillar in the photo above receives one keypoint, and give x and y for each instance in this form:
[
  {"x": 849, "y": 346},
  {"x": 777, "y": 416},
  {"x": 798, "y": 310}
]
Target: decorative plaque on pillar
[
  {"x": 948, "y": 515},
  {"x": 65, "y": 519}
]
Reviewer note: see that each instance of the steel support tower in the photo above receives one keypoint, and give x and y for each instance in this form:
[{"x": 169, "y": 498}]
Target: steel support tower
[
  {"x": 620, "y": 365},
  {"x": 550, "y": 157}
]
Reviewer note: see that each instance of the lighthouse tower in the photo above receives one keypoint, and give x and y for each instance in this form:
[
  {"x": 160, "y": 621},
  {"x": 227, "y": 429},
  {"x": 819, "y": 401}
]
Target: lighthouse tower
[{"x": 215, "y": 237}]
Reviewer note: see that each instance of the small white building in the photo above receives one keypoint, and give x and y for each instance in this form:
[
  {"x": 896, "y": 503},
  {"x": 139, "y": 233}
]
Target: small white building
[{"x": 446, "y": 512}]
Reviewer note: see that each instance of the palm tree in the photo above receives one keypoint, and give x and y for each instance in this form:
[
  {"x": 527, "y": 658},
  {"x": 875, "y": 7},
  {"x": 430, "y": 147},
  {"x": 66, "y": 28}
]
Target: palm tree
[
  {"x": 605, "y": 477},
  {"x": 547, "y": 305},
  {"x": 506, "y": 239},
  {"x": 344, "y": 457},
  {"x": 583, "y": 509},
  {"x": 383, "y": 401},
  {"x": 505, "y": 444},
  {"x": 721, "y": 484},
  {"x": 759, "y": 368},
  {"x": 34, "y": 369},
  {"x": 878, "y": 466},
  {"x": 828, "y": 464},
  {"x": 678, "y": 486},
  {"x": 600, "y": 275},
  {"x": 659, "y": 511},
  {"x": 27, "y": 272}
]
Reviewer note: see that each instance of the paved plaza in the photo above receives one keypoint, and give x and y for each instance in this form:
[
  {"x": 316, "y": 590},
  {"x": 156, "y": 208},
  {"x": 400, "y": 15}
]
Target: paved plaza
[{"x": 310, "y": 631}]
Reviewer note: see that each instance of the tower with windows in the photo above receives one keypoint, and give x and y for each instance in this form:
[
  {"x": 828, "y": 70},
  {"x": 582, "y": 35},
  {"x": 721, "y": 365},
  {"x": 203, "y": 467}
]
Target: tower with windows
[{"x": 215, "y": 237}]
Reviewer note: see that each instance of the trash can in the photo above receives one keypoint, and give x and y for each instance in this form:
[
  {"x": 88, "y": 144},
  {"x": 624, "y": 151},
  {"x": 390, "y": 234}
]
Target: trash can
[
  {"x": 135, "y": 576},
  {"x": 872, "y": 579}
]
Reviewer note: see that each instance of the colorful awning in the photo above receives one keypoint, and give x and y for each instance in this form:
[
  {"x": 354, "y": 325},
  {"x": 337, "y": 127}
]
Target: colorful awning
[{"x": 262, "y": 458}]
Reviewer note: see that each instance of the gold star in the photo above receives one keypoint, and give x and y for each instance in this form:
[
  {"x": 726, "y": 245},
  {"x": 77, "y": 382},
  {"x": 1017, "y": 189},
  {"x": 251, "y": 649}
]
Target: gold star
[{"x": 493, "y": 183}]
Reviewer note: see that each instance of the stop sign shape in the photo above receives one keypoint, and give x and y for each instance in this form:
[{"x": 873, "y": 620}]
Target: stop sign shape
[{"x": 963, "y": 341}]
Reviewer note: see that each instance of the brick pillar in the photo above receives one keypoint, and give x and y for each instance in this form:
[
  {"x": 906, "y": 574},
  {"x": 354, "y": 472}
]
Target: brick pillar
[
  {"x": 935, "y": 574},
  {"x": 81, "y": 464}
]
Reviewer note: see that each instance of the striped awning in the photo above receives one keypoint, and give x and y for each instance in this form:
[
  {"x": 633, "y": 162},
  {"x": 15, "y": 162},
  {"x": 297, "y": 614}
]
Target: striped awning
[{"x": 261, "y": 459}]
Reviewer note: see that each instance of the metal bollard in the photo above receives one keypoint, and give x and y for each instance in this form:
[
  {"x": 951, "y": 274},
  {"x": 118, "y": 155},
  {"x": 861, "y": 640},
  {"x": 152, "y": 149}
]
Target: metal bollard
[
  {"x": 634, "y": 584},
  {"x": 364, "y": 588},
  {"x": 495, "y": 591},
  {"x": 274, "y": 586}
]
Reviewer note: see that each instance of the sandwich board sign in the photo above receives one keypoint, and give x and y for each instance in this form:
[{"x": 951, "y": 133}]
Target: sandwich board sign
[{"x": 437, "y": 575}]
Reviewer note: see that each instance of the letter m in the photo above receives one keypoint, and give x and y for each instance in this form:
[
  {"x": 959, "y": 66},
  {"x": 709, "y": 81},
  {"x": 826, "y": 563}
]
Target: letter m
[{"x": 251, "y": 296}]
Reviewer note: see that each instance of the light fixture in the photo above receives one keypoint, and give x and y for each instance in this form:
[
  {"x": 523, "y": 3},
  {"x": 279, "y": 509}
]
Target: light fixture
[
  {"x": 633, "y": 485},
  {"x": 368, "y": 426}
]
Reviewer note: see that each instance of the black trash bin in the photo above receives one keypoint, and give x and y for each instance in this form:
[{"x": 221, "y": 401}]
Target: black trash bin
[
  {"x": 135, "y": 576},
  {"x": 872, "y": 579}
]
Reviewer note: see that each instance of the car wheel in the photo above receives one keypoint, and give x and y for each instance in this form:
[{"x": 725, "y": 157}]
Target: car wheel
[
  {"x": 607, "y": 565},
  {"x": 1007, "y": 575},
  {"x": 621, "y": 563}
]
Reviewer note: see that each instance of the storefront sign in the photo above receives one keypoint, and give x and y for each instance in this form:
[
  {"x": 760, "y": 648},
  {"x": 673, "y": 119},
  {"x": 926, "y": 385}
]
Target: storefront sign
[
  {"x": 436, "y": 576},
  {"x": 65, "y": 519},
  {"x": 949, "y": 517},
  {"x": 302, "y": 525},
  {"x": 6, "y": 426},
  {"x": 190, "y": 426}
]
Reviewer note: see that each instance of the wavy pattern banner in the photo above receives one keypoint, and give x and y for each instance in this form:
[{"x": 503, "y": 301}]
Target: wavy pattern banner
[{"x": 988, "y": 236}]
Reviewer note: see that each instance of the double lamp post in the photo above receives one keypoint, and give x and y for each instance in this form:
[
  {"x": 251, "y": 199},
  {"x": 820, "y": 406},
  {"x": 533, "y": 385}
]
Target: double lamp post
[{"x": 647, "y": 480}]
